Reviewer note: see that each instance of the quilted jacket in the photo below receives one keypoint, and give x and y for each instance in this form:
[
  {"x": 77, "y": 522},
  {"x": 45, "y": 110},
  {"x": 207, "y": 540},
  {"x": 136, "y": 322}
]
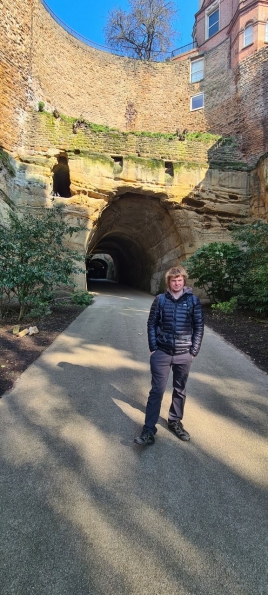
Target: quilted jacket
[{"x": 176, "y": 326}]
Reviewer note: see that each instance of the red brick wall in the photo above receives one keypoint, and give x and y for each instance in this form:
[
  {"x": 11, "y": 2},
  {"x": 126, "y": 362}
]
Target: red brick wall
[{"x": 236, "y": 100}]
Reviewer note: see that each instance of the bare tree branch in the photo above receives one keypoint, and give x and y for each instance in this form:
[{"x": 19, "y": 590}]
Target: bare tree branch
[{"x": 145, "y": 32}]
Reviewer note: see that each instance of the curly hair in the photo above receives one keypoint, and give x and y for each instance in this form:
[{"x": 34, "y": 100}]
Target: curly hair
[{"x": 176, "y": 272}]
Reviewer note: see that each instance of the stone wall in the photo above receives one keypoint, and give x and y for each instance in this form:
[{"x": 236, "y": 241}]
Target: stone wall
[
  {"x": 259, "y": 189},
  {"x": 236, "y": 100},
  {"x": 15, "y": 66},
  {"x": 44, "y": 132},
  {"x": 252, "y": 96},
  {"x": 137, "y": 209},
  {"x": 147, "y": 198},
  {"x": 108, "y": 89},
  {"x": 40, "y": 61}
]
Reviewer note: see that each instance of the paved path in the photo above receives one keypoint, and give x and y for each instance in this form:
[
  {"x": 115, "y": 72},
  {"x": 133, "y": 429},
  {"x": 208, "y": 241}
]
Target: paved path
[{"x": 84, "y": 511}]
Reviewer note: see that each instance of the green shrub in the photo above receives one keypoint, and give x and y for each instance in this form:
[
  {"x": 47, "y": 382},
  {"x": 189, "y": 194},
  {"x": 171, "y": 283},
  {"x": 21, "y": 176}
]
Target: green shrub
[
  {"x": 82, "y": 298},
  {"x": 226, "y": 308},
  {"x": 253, "y": 239},
  {"x": 235, "y": 270},
  {"x": 254, "y": 290},
  {"x": 217, "y": 268},
  {"x": 41, "y": 106},
  {"x": 35, "y": 259}
]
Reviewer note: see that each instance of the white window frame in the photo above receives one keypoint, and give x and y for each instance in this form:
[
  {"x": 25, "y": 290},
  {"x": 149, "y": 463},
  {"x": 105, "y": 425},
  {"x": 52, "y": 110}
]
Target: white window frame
[
  {"x": 198, "y": 75},
  {"x": 193, "y": 109},
  {"x": 266, "y": 32},
  {"x": 248, "y": 35},
  {"x": 209, "y": 12}
]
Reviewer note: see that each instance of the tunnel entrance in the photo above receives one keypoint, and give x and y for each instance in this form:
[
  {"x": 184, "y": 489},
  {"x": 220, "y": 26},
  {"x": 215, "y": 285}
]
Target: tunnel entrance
[
  {"x": 140, "y": 236},
  {"x": 97, "y": 269},
  {"x": 100, "y": 266}
]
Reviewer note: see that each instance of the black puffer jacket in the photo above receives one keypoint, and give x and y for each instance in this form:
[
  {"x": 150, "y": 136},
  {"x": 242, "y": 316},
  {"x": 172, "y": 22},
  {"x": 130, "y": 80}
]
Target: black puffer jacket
[{"x": 178, "y": 327}]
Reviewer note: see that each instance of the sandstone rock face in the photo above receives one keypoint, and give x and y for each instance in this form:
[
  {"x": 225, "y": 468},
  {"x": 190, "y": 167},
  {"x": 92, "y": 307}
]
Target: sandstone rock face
[
  {"x": 145, "y": 199},
  {"x": 147, "y": 214},
  {"x": 259, "y": 190},
  {"x": 6, "y": 186}
]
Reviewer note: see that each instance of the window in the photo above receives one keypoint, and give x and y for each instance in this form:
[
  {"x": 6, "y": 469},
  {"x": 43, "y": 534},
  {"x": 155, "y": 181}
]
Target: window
[
  {"x": 197, "y": 101},
  {"x": 248, "y": 35},
  {"x": 213, "y": 22},
  {"x": 266, "y": 33},
  {"x": 197, "y": 70}
]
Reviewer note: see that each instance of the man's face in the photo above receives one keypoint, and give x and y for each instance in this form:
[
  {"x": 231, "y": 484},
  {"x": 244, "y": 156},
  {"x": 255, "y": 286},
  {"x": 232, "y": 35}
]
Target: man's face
[{"x": 176, "y": 284}]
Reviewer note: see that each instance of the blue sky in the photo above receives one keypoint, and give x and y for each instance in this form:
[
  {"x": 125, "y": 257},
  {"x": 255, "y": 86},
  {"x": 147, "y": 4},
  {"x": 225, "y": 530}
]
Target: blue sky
[{"x": 89, "y": 18}]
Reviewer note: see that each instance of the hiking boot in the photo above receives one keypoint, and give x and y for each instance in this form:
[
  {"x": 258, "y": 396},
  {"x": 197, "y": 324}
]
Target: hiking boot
[
  {"x": 178, "y": 429},
  {"x": 146, "y": 438}
]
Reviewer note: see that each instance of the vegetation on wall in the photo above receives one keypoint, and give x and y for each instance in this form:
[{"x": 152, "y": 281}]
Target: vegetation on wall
[
  {"x": 205, "y": 137},
  {"x": 6, "y": 162},
  {"x": 148, "y": 163}
]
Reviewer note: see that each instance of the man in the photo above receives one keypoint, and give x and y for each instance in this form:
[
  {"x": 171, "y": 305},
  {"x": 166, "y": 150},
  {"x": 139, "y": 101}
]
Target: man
[{"x": 175, "y": 332}]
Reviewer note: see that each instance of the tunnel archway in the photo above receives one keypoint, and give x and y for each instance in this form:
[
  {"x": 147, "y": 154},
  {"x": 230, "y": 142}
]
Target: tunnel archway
[
  {"x": 140, "y": 235},
  {"x": 97, "y": 268}
]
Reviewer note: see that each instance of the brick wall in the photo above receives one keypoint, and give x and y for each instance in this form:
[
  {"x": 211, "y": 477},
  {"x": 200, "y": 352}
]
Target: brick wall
[
  {"x": 39, "y": 60},
  {"x": 222, "y": 110},
  {"x": 227, "y": 9},
  {"x": 252, "y": 91},
  {"x": 44, "y": 133},
  {"x": 15, "y": 59},
  {"x": 108, "y": 89},
  {"x": 236, "y": 100}
]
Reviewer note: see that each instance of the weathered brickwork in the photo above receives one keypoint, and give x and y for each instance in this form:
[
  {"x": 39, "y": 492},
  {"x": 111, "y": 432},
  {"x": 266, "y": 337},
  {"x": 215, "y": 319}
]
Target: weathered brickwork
[
  {"x": 236, "y": 100},
  {"x": 221, "y": 107},
  {"x": 44, "y": 133},
  {"x": 107, "y": 89},
  {"x": 15, "y": 60},
  {"x": 252, "y": 92},
  {"x": 40, "y": 61}
]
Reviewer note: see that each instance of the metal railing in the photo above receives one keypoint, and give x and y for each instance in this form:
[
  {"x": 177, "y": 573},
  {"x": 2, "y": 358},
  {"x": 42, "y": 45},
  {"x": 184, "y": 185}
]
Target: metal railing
[
  {"x": 77, "y": 35},
  {"x": 176, "y": 52},
  {"x": 183, "y": 49}
]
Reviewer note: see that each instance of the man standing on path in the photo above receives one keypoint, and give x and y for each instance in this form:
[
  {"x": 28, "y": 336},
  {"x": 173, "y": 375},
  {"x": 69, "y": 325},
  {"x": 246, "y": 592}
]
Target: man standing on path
[{"x": 175, "y": 332}]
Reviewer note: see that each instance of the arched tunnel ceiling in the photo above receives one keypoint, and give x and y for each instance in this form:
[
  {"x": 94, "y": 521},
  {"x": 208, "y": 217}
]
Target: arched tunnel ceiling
[{"x": 139, "y": 234}]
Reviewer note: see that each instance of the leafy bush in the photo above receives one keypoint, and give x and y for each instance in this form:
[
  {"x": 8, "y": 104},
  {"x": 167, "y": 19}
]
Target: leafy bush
[
  {"x": 35, "y": 259},
  {"x": 218, "y": 269},
  {"x": 226, "y": 308},
  {"x": 238, "y": 269},
  {"x": 254, "y": 290},
  {"x": 82, "y": 298},
  {"x": 253, "y": 239}
]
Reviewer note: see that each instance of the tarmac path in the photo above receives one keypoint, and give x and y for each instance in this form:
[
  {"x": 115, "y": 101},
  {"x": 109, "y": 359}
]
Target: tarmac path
[{"x": 85, "y": 511}]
